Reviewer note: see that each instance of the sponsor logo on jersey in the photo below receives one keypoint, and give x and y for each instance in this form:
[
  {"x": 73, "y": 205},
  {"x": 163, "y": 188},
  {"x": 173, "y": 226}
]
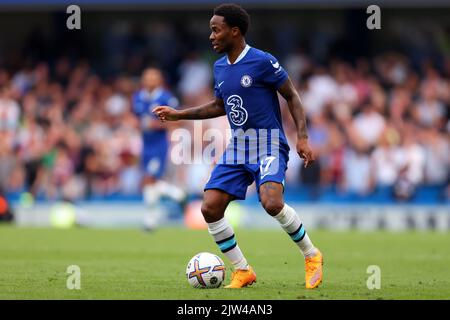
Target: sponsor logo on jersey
[{"x": 238, "y": 115}]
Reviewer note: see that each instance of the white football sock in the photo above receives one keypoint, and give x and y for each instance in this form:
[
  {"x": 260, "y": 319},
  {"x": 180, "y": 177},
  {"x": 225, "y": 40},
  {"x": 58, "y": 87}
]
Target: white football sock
[
  {"x": 151, "y": 194},
  {"x": 223, "y": 235},
  {"x": 291, "y": 223}
]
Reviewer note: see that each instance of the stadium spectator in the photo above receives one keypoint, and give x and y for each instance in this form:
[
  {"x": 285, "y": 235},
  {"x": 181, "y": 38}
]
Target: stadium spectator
[
  {"x": 411, "y": 156},
  {"x": 357, "y": 171},
  {"x": 385, "y": 162},
  {"x": 367, "y": 127},
  {"x": 195, "y": 80},
  {"x": 437, "y": 154}
]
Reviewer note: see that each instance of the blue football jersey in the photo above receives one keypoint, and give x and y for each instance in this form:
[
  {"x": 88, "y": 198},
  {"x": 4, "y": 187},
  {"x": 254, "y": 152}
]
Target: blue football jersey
[
  {"x": 143, "y": 104},
  {"x": 248, "y": 88}
]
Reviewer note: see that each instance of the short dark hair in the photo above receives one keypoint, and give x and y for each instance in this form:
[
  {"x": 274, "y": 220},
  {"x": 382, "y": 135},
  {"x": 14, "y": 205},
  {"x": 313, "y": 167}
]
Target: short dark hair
[{"x": 234, "y": 15}]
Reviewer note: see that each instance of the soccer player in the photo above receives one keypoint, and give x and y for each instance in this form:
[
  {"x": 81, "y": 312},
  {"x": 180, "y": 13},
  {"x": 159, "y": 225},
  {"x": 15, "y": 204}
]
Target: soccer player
[
  {"x": 246, "y": 84},
  {"x": 155, "y": 142}
]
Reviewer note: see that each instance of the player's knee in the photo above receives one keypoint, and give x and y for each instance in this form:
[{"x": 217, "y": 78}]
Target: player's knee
[
  {"x": 272, "y": 206},
  {"x": 210, "y": 212}
]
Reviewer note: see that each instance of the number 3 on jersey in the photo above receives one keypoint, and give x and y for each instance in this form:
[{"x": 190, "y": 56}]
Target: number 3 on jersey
[{"x": 238, "y": 115}]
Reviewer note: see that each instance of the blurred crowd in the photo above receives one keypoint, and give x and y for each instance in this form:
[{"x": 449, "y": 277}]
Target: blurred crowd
[
  {"x": 66, "y": 132},
  {"x": 376, "y": 124}
]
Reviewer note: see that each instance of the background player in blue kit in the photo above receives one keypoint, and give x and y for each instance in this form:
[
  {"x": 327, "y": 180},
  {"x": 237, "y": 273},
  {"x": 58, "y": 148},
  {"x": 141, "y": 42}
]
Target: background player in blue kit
[
  {"x": 246, "y": 84},
  {"x": 155, "y": 141}
]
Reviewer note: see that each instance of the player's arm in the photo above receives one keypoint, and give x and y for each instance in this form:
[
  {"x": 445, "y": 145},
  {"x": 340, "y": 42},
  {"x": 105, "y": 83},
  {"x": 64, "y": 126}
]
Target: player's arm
[
  {"x": 212, "y": 109},
  {"x": 146, "y": 121},
  {"x": 288, "y": 91}
]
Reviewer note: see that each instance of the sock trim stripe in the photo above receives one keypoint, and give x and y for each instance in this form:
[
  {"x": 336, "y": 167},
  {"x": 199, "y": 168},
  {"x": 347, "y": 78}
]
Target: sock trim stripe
[
  {"x": 225, "y": 240},
  {"x": 299, "y": 236},
  {"x": 230, "y": 248},
  {"x": 225, "y": 246},
  {"x": 296, "y": 231}
]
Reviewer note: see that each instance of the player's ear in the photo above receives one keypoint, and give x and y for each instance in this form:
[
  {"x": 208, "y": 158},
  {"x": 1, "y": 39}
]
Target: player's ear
[{"x": 235, "y": 31}]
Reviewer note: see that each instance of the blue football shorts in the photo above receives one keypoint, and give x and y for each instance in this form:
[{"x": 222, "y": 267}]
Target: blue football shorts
[{"x": 234, "y": 179}]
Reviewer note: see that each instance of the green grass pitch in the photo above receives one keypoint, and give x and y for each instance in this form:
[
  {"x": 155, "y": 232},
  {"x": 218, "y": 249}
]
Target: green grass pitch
[{"x": 132, "y": 264}]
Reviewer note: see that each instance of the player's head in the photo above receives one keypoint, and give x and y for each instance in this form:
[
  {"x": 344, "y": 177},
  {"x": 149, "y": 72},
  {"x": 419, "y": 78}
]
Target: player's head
[
  {"x": 152, "y": 78},
  {"x": 229, "y": 25}
]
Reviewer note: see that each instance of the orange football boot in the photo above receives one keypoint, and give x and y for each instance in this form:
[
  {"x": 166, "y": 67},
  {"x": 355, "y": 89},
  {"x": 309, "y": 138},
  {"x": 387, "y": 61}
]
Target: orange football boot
[
  {"x": 242, "y": 278},
  {"x": 313, "y": 268}
]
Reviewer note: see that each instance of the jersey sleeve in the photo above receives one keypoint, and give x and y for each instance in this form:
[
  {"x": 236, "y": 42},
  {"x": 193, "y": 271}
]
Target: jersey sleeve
[
  {"x": 273, "y": 73},
  {"x": 217, "y": 92}
]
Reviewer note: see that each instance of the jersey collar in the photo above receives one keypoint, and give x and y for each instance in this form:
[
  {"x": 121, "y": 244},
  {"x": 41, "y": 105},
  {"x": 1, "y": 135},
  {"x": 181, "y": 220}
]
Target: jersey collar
[
  {"x": 241, "y": 56},
  {"x": 152, "y": 95}
]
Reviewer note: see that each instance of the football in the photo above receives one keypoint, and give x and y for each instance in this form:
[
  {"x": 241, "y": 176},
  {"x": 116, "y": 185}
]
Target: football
[{"x": 205, "y": 270}]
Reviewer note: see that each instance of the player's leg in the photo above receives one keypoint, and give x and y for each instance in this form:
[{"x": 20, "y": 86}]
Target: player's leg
[
  {"x": 165, "y": 188},
  {"x": 150, "y": 194},
  {"x": 171, "y": 191},
  {"x": 152, "y": 167},
  {"x": 154, "y": 186},
  {"x": 214, "y": 205},
  {"x": 151, "y": 197},
  {"x": 271, "y": 195},
  {"x": 269, "y": 178},
  {"x": 226, "y": 184}
]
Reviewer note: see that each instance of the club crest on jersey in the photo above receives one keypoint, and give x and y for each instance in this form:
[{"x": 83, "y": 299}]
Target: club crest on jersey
[{"x": 246, "y": 81}]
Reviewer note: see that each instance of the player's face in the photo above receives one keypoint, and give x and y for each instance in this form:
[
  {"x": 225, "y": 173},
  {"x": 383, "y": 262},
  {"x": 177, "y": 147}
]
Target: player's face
[
  {"x": 221, "y": 34},
  {"x": 151, "y": 79}
]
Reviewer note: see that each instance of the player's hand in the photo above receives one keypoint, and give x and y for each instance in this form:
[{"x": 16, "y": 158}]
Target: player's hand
[
  {"x": 165, "y": 113},
  {"x": 305, "y": 152}
]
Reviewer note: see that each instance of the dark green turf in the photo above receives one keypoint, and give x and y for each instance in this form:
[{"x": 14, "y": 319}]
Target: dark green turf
[{"x": 132, "y": 264}]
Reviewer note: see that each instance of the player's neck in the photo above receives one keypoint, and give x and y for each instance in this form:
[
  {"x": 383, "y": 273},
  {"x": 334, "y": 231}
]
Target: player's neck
[
  {"x": 153, "y": 89},
  {"x": 236, "y": 51}
]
